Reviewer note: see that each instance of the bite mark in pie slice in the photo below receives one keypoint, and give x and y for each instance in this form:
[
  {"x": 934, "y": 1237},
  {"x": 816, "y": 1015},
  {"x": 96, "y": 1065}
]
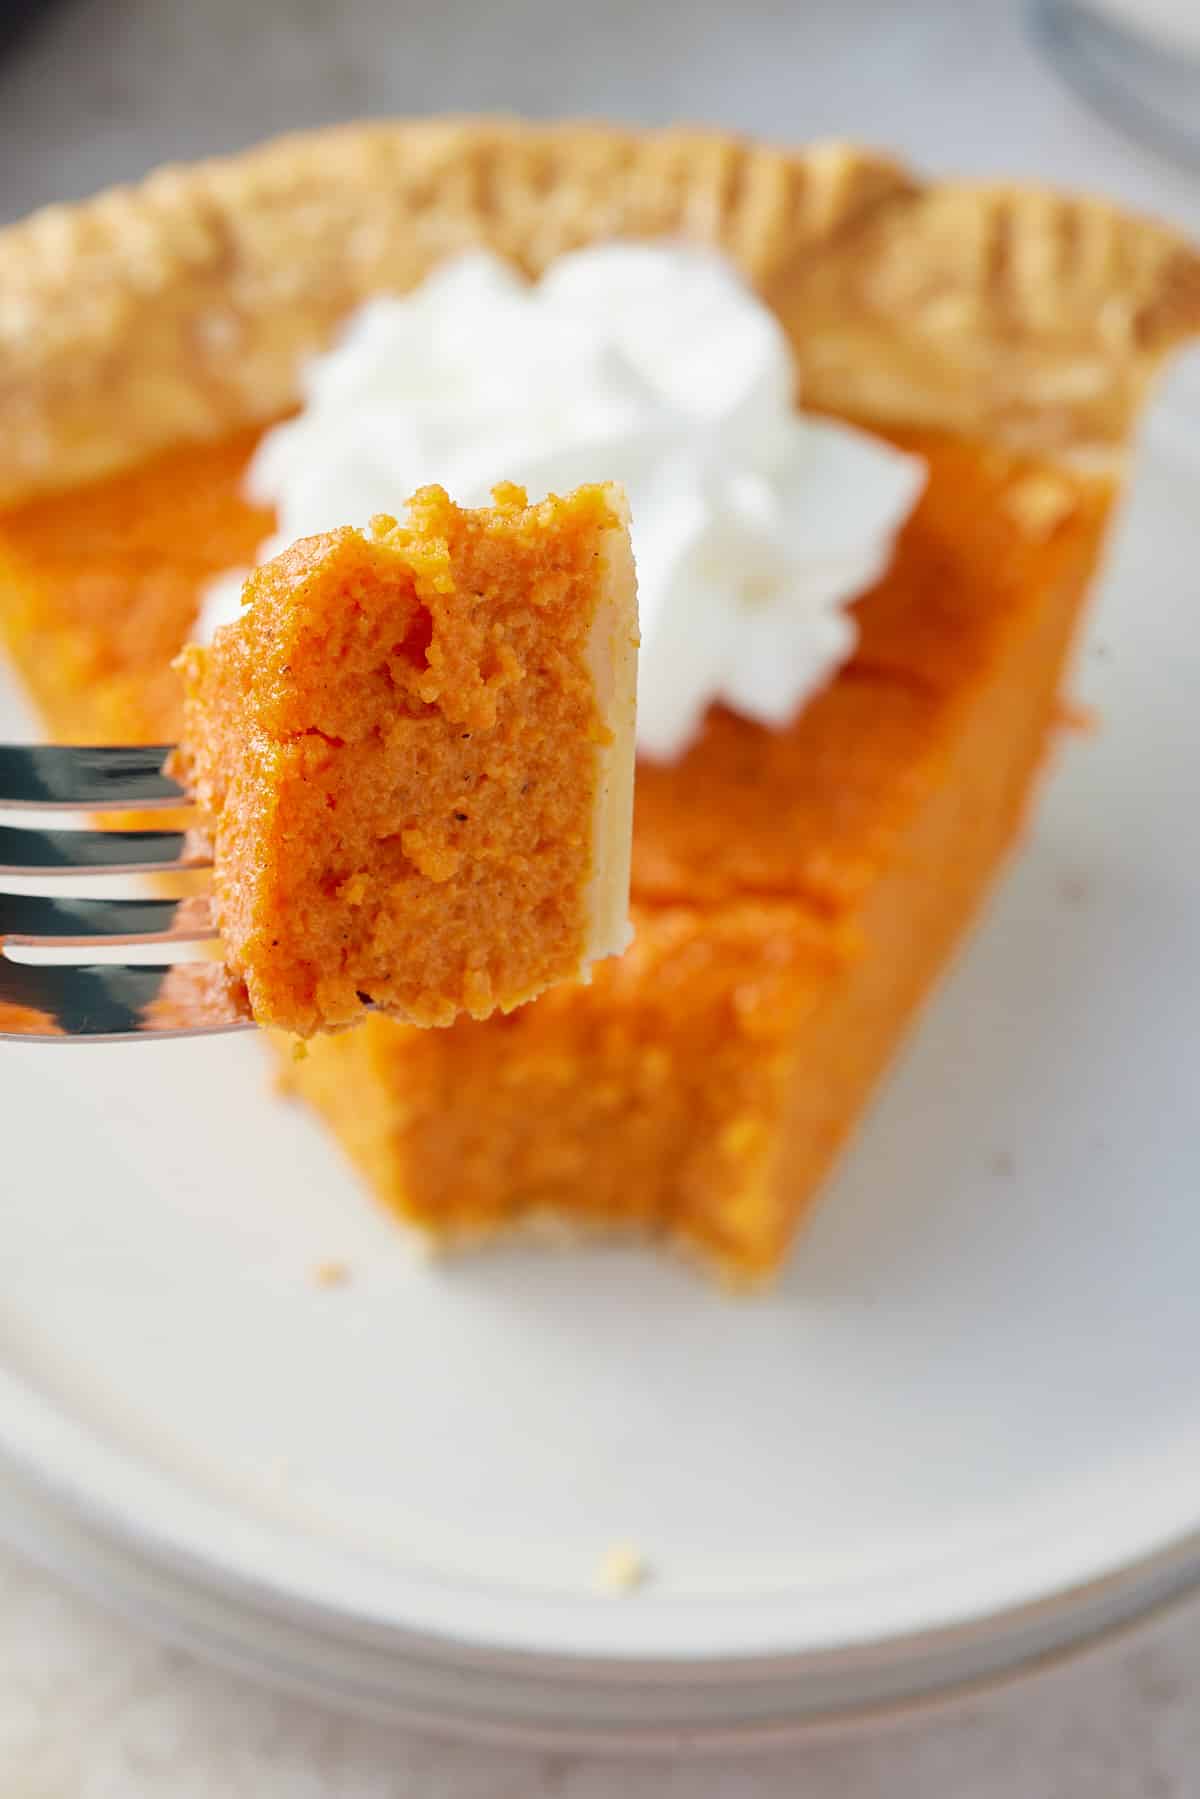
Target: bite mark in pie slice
[{"x": 414, "y": 754}]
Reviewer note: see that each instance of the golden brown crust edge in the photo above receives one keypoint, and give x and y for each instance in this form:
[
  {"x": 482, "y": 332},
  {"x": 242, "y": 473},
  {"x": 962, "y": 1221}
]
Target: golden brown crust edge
[{"x": 181, "y": 309}]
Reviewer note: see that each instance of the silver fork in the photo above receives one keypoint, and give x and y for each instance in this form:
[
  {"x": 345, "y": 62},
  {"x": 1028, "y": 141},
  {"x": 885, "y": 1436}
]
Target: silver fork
[{"x": 97, "y": 1002}]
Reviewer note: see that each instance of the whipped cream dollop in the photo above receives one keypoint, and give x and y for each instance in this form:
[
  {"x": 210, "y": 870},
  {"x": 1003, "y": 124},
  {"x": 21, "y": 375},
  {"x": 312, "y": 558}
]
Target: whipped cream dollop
[{"x": 754, "y": 525}]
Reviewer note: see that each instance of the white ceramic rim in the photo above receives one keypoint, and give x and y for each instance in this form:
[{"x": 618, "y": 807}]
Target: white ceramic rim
[
  {"x": 231, "y": 1552},
  {"x": 233, "y": 1617}
]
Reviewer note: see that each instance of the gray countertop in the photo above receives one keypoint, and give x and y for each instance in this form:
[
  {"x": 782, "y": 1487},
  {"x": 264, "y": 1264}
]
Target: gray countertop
[{"x": 99, "y": 92}]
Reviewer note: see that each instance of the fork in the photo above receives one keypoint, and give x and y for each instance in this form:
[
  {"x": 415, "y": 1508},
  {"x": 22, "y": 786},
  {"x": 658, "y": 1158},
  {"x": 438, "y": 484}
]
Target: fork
[{"x": 98, "y": 1002}]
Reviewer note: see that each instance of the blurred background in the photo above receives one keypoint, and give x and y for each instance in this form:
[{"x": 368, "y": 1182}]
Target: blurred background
[{"x": 96, "y": 91}]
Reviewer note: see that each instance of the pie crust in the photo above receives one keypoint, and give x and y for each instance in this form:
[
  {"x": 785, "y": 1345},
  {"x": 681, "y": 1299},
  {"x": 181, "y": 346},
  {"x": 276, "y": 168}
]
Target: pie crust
[{"x": 181, "y": 309}]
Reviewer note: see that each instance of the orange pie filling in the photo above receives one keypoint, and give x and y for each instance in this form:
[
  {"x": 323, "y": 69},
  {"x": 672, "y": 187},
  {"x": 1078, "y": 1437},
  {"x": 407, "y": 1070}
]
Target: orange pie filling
[
  {"x": 794, "y": 892},
  {"x": 413, "y": 751}
]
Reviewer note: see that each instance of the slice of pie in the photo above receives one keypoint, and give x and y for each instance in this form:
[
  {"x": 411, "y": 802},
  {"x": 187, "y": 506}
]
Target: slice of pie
[
  {"x": 413, "y": 752},
  {"x": 795, "y": 889}
]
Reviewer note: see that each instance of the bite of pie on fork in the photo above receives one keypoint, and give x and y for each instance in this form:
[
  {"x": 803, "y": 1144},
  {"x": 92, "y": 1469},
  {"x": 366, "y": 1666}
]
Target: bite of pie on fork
[{"x": 412, "y": 758}]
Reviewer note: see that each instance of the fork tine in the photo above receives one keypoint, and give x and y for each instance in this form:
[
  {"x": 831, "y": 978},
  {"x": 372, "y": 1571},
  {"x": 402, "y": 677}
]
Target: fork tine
[
  {"x": 24, "y": 852},
  {"x": 103, "y": 1002},
  {"x": 86, "y": 777},
  {"x": 41, "y": 921},
  {"x": 108, "y": 1003}
]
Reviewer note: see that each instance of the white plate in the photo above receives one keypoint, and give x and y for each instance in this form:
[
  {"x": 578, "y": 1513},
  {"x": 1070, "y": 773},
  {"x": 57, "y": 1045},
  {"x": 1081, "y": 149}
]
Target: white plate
[{"x": 964, "y": 1430}]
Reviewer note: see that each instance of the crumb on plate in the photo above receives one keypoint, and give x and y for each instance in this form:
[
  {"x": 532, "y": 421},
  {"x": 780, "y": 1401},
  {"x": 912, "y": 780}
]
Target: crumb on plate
[{"x": 623, "y": 1568}]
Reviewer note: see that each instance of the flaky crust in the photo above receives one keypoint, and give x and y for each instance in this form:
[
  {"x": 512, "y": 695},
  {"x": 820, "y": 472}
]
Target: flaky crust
[{"x": 182, "y": 308}]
